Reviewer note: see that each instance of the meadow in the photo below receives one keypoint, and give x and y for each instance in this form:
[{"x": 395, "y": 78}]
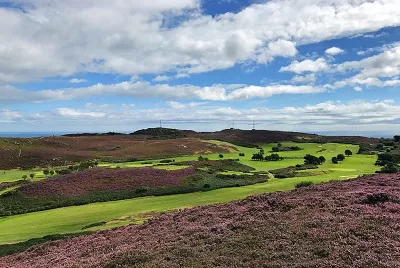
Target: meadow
[{"x": 111, "y": 214}]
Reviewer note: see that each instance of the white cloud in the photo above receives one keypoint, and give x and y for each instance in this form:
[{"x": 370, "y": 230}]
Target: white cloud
[
  {"x": 380, "y": 70},
  {"x": 179, "y": 105},
  {"x": 306, "y": 66},
  {"x": 8, "y": 116},
  {"x": 161, "y": 78},
  {"x": 138, "y": 37},
  {"x": 140, "y": 89},
  {"x": 334, "y": 51},
  {"x": 359, "y": 89},
  {"x": 304, "y": 79},
  {"x": 72, "y": 113},
  {"x": 77, "y": 81},
  {"x": 381, "y": 115},
  {"x": 282, "y": 48},
  {"x": 386, "y": 64}
]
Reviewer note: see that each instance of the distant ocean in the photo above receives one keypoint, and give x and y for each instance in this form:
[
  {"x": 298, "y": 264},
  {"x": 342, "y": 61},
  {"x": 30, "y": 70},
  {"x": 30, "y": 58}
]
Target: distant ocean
[{"x": 30, "y": 134}]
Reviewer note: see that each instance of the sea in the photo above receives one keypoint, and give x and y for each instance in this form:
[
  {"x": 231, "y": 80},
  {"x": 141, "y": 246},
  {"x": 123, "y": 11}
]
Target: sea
[{"x": 30, "y": 134}]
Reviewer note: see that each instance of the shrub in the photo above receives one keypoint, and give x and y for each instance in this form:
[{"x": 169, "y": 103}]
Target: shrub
[
  {"x": 166, "y": 161},
  {"x": 348, "y": 152},
  {"x": 304, "y": 184},
  {"x": 221, "y": 156},
  {"x": 206, "y": 186},
  {"x": 373, "y": 199},
  {"x": 335, "y": 160},
  {"x": 340, "y": 157},
  {"x": 241, "y": 154},
  {"x": 141, "y": 190}
]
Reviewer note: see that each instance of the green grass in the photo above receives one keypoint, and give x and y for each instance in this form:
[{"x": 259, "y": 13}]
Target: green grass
[
  {"x": 16, "y": 175},
  {"x": 73, "y": 219}
]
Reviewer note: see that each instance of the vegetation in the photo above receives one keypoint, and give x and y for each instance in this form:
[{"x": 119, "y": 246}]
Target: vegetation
[
  {"x": 304, "y": 184},
  {"x": 343, "y": 224}
]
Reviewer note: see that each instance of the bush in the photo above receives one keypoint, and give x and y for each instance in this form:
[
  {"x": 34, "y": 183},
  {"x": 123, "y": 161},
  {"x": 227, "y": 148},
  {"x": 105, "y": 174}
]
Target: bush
[
  {"x": 335, "y": 160},
  {"x": 373, "y": 199},
  {"x": 241, "y": 154},
  {"x": 166, "y": 161},
  {"x": 206, "y": 186},
  {"x": 340, "y": 157},
  {"x": 221, "y": 156},
  {"x": 304, "y": 184}
]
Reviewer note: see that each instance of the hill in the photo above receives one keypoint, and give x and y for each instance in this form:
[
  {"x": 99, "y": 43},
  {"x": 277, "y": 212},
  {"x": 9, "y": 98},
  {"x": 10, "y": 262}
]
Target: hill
[{"x": 338, "y": 224}]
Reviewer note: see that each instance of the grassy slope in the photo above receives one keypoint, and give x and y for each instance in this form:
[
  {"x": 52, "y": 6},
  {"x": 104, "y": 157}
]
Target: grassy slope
[{"x": 72, "y": 219}]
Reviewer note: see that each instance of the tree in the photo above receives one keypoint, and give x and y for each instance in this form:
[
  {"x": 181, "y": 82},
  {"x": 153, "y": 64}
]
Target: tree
[
  {"x": 273, "y": 157},
  {"x": 348, "y": 152},
  {"x": 52, "y": 172},
  {"x": 257, "y": 156},
  {"x": 32, "y": 176},
  {"x": 221, "y": 156},
  {"x": 322, "y": 159},
  {"x": 312, "y": 160},
  {"x": 24, "y": 177},
  {"x": 334, "y": 160},
  {"x": 396, "y": 138},
  {"x": 241, "y": 154},
  {"x": 340, "y": 157},
  {"x": 380, "y": 146},
  {"x": 46, "y": 172}
]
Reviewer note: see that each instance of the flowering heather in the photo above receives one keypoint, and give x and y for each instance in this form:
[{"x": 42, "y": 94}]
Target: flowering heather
[
  {"x": 105, "y": 179},
  {"x": 354, "y": 223}
]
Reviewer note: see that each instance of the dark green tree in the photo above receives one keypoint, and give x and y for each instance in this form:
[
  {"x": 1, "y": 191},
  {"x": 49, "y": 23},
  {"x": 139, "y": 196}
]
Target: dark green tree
[{"x": 348, "y": 152}]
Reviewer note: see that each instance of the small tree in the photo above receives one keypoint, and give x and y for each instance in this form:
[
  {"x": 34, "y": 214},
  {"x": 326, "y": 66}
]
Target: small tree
[
  {"x": 52, "y": 172},
  {"x": 221, "y": 156},
  {"x": 46, "y": 172},
  {"x": 32, "y": 175},
  {"x": 24, "y": 177},
  {"x": 340, "y": 157},
  {"x": 334, "y": 160},
  {"x": 322, "y": 159},
  {"x": 348, "y": 152},
  {"x": 396, "y": 138}
]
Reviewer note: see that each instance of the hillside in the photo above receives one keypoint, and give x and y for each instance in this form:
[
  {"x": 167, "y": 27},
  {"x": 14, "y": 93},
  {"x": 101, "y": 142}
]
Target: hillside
[{"x": 339, "y": 224}]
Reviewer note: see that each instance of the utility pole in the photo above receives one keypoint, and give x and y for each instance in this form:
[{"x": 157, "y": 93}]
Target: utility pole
[
  {"x": 233, "y": 124},
  {"x": 160, "y": 123},
  {"x": 254, "y": 125}
]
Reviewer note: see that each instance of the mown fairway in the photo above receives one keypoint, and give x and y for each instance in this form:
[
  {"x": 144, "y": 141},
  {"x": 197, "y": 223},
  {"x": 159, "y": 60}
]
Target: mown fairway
[
  {"x": 73, "y": 219},
  {"x": 16, "y": 175}
]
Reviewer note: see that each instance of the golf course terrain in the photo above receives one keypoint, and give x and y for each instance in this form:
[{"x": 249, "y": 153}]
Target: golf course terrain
[{"x": 105, "y": 192}]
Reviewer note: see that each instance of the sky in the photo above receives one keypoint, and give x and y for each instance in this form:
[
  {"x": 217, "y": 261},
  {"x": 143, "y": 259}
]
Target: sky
[{"x": 317, "y": 66}]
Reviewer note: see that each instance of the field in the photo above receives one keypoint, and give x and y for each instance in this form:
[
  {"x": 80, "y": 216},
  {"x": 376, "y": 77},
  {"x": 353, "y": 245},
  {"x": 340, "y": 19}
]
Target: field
[
  {"x": 89, "y": 217},
  {"x": 302, "y": 228}
]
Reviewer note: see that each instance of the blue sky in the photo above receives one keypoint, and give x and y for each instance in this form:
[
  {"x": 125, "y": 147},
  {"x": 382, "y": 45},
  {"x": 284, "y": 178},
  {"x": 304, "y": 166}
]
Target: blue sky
[{"x": 321, "y": 66}]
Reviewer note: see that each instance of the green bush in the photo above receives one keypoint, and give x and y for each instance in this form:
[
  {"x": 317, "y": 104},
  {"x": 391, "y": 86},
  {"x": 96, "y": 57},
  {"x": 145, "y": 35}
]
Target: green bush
[{"x": 304, "y": 184}]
